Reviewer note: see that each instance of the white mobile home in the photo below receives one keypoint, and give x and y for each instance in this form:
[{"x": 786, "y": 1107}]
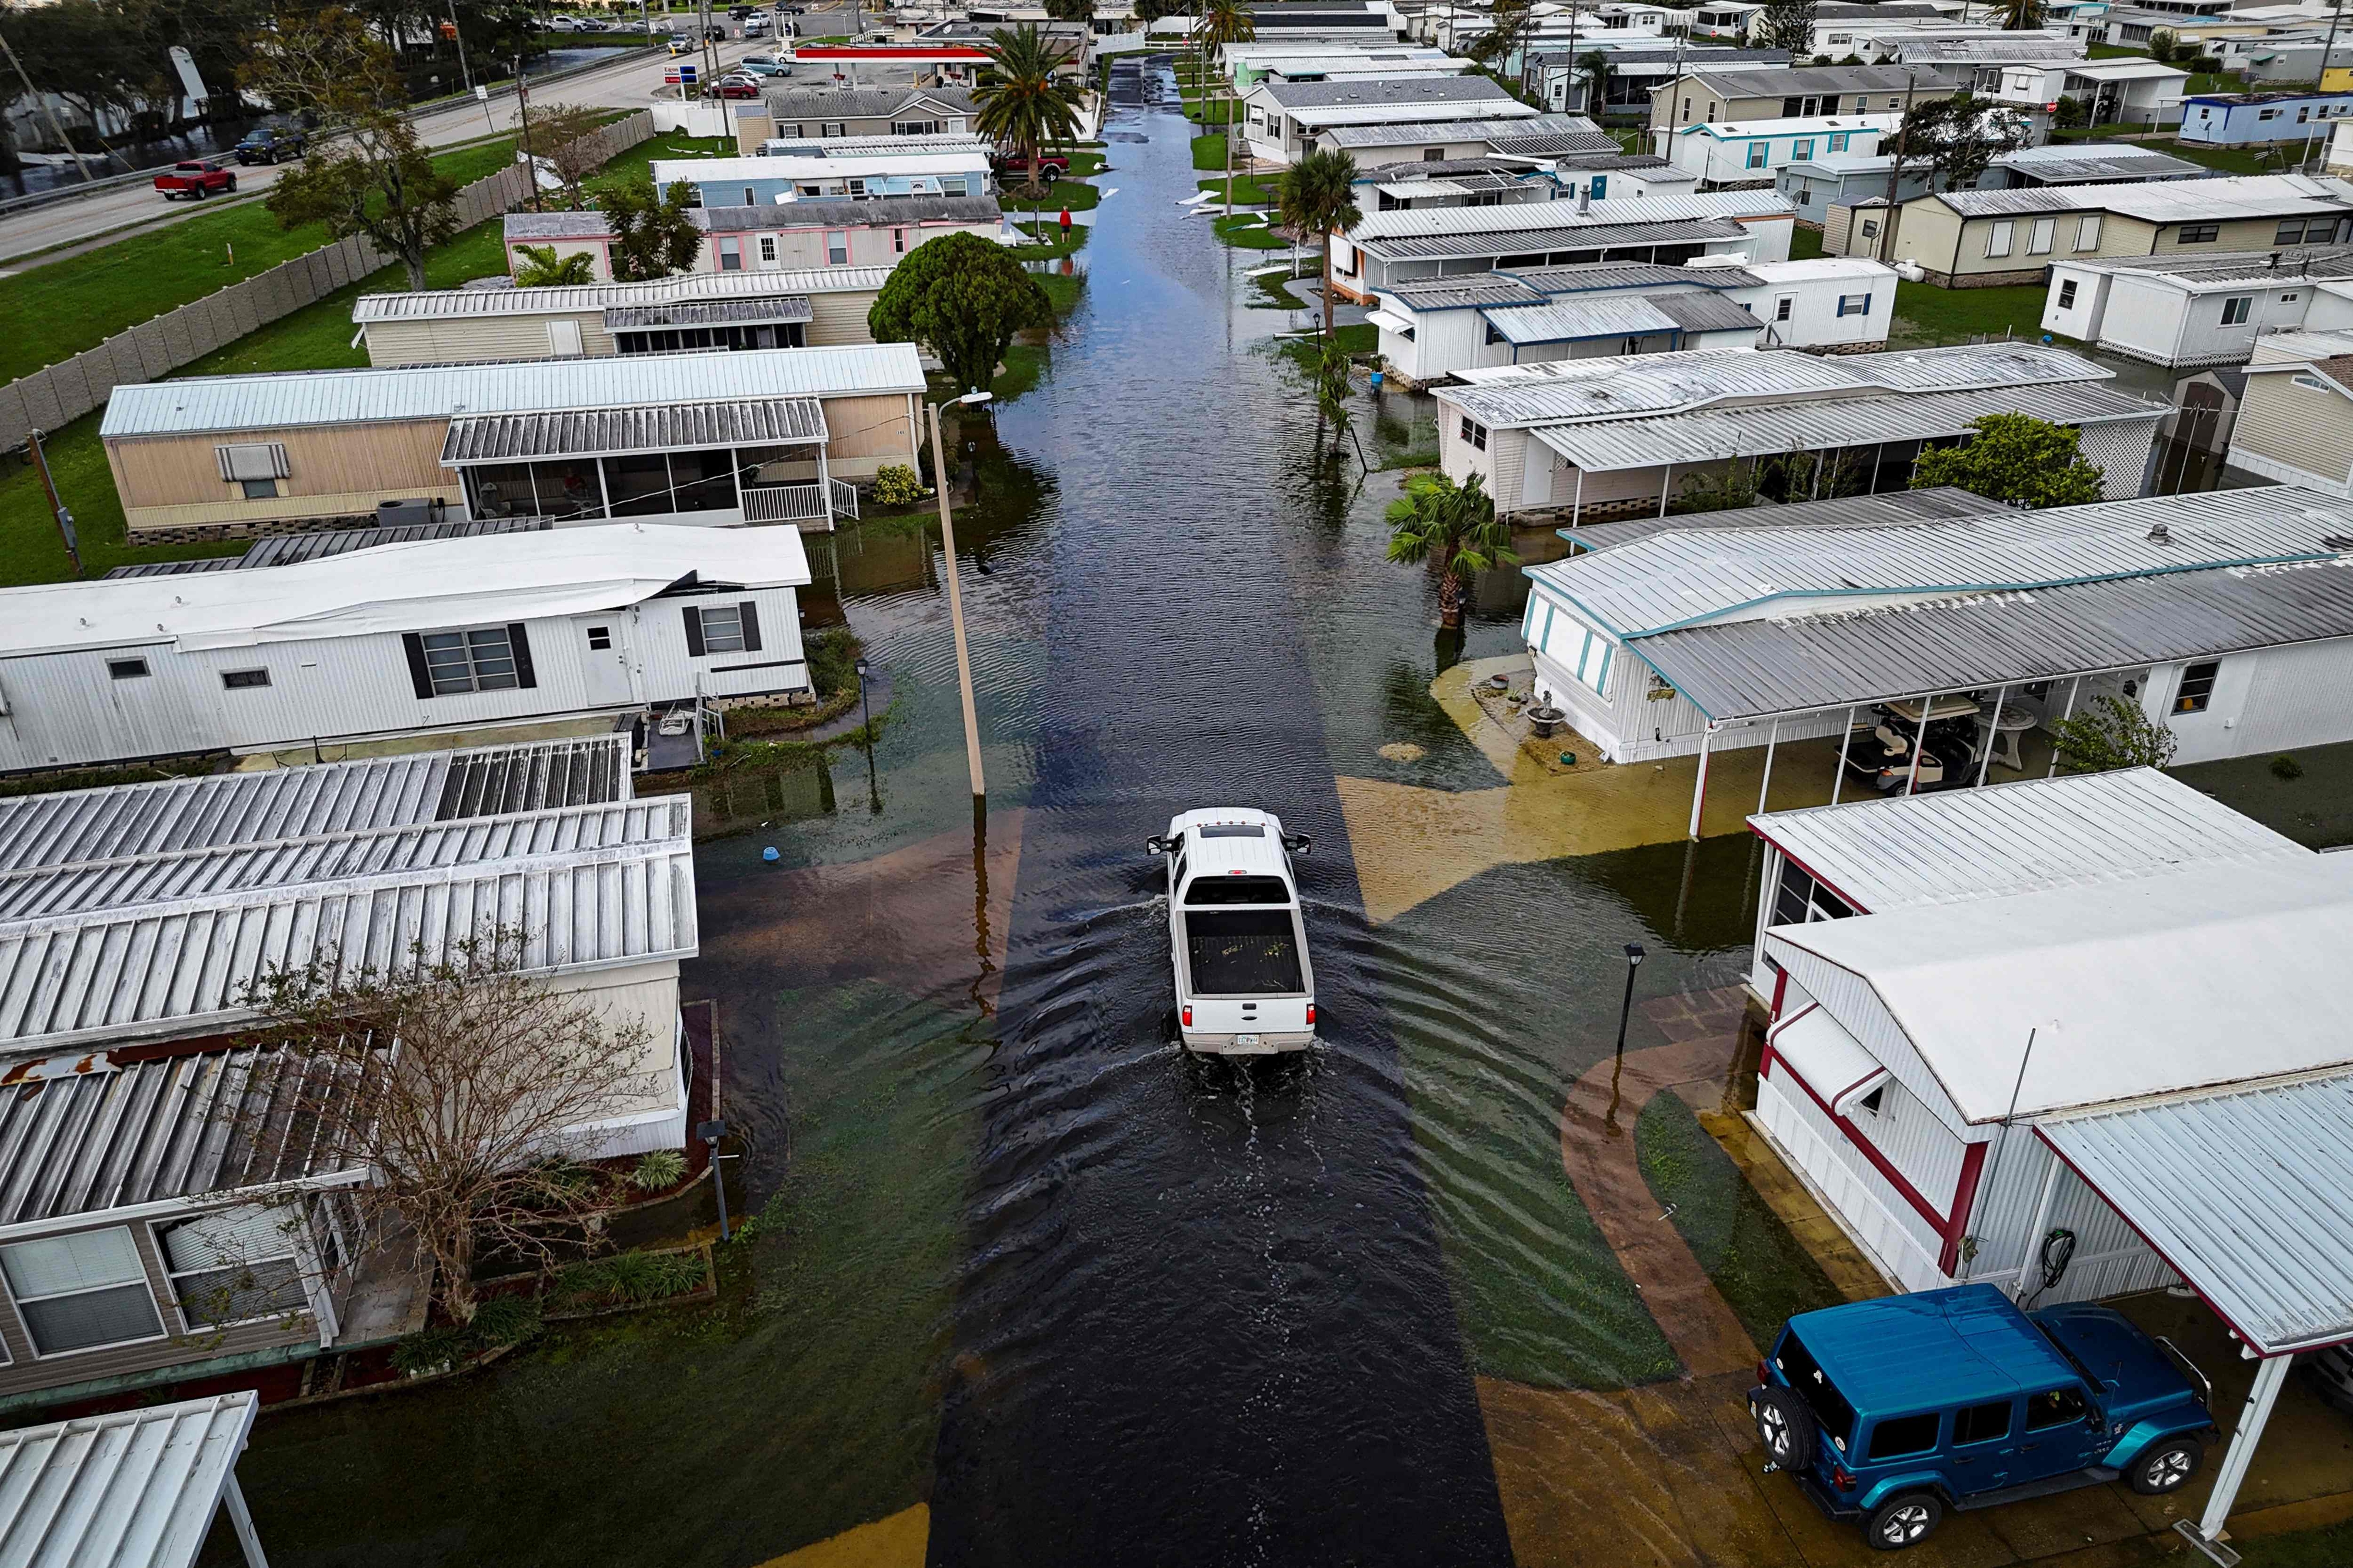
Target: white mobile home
[
  {"x": 2177, "y": 310},
  {"x": 1754, "y": 152},
  {"x": 1282, "y": 121},
  {"x": 440, "y": 635},
  {"x": 1541, "y": 138}
]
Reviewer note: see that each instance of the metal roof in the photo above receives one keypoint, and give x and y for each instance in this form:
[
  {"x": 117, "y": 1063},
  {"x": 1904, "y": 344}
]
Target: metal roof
[
  {"x": 1534, "y": 143},
  {"x": 1894, "y": 508},
  {"x": 2031, "y": 48},
  {"x": 1462, "y": 293},
  {"x": 1805, "y": 125},
  {"x": 1802, "y": 81},
  {"x": 1500, "y": 221},
  {"x": 530, "y": 226},
  {"x": 847, "y": 212},
  {"x": 1570, "y": 239},
  {"x": 1677, "y": 580},
  {"x": 671, "y": 427},
  {"x": 2223, "y": 199},
  {"x": 1388, "y": 91},
  {"x": 2287, "y": 265},
  {"x": 1576, "y": 134},
  {"x": 873, "y": 162},
  {"x": 2245, "y": 1193},
  {"x": 582, "y": 297},
  {"x": 117, "y": 1136},
  {"x": 288, "y": 400},
  {"x": 832, "y": 103},
  {"x": 1701, "y": 311},
  {"x": 1570, "y": 317},
  {"x": 177, "y": 816},
  {"x": 136, "y": 1488},
  {"x": 1814, "y": 425},
  {"x": 871, "y": 146},
  {"x": 285, "y": 549},
  {"x": 1906, "y": 851},
  {"x": 777, "y": 309}
]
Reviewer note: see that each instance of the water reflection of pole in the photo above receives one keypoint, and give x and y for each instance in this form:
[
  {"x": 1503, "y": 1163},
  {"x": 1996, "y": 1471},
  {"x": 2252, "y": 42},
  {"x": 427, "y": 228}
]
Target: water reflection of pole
[
  {"x": 1691, "y": 860},
  {"x": 980, "y": 905}
]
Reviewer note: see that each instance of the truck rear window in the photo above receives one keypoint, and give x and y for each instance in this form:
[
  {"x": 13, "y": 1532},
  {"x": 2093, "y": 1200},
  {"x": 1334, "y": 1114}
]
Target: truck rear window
[
  {"x": 1241, "y": 952},
  {"x": 1814, "y": 1386},
  {"x": 1237, "y": 891}
]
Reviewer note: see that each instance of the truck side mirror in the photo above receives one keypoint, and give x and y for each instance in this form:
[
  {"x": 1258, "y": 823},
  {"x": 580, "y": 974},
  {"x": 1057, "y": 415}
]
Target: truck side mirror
[{"x": 1155, "y": 844}]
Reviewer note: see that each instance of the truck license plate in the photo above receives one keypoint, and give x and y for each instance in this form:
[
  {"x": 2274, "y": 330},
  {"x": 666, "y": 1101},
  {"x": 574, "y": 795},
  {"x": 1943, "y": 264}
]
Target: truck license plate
[{"x": 1245, "y": 1039}]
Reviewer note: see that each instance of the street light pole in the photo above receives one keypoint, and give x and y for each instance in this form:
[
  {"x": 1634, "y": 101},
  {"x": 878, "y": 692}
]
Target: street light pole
[
  {"x": 955, "y": 599},
  {"x": 57, "y": 508},
  {"x": 1634, "y": 956}
]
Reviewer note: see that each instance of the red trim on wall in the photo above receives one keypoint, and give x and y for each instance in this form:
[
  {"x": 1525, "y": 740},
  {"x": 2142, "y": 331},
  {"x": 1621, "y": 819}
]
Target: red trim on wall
[{"x": 1948, "y": 1226}]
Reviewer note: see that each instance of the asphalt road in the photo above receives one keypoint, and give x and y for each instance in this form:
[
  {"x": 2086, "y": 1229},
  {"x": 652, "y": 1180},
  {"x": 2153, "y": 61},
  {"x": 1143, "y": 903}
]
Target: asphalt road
[{"x": 629, "y": 84}]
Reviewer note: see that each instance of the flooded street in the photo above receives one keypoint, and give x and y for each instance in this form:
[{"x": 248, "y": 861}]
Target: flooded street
[{"x": 1028, "y": 1283}]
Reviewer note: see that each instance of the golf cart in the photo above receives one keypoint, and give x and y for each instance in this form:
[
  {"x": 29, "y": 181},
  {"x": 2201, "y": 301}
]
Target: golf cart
[{"x": 1879, "y": 749}]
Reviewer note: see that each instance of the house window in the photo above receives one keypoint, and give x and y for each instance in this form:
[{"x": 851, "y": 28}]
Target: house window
[
  {"x": 1854, "y": 305},
  {"x": 731, "y": 255},
  {"x": 749, "y": 199},
  {"x": 1433, "y": 154},
  {"x": 2291, "y": 232},
  {"x": 78, "y": 1292},
  {"x": 1800, "y": 899},
  {"x": 2088, "y": 232},
  {"x": 243, "y": 680},
  {"x": 1875, "y": 1101},
  {"x": 126, "y": 668},
  {"x": 953, "y": 185},
  {"x": 1870, "y": 228},
  {"x": 834, "y": 128},
  {"x": 233, "y": 1266},
  {"x": 768, "y": 248},
  {"x": 723, "y": 628},
  {"x": 2067, "y": 295},
  {"x": 480, "y": 659},
  {"x": 1475, "y": 432},
  {"x": 1802, "y": 148},
  {"x": 2236, "y": 309},
  {"x": 600, "y": 638},
  {"x": 2197, "y": 690},
  {"x": 1998, "y": 239},
  {"x": 1784, "y": 306},
  {"x": 898, "y": 242},
  {"x": 1805, "y": 195},
  {"x": 836, "y": 247},
  {"x": 1757, "y": 151},
  {"x": 2038, "y": 235},
  {"x": 1494, "y": 333},
  {"x": 1838, "y": 142},
  {"x": 2305, "y": 378},
  {"x": 857, "y": 190},
  {"x": 2200, "y": 233},
  {"x": 258, "y": 490}
]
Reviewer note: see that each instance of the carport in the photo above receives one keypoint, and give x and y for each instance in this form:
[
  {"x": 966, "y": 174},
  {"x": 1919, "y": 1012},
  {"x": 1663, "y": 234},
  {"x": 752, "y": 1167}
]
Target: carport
[{"x": 2248, "y": 1195}]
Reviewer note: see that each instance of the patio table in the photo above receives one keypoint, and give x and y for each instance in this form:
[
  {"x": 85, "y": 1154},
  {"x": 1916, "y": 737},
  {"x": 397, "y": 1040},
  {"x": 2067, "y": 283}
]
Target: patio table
[{"x": 2014, "y": 719}]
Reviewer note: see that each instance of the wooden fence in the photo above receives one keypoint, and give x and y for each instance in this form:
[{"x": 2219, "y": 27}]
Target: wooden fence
[{"x": 59, "y": 393}]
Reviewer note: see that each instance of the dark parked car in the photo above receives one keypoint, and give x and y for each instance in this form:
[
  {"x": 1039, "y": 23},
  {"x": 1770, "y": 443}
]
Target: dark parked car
[
  {"x": 272, "y": 144},
  {"x": 1895, "y": 1410}
]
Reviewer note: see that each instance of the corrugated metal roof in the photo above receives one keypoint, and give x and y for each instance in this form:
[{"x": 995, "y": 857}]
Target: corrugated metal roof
[
  {"x": 1679, "y": 579},
  {"x": 289, "y": 400},
  {"x": 1969, "y": 364},
  {"x": 2287, "y": 265},
  {"x": 1570, "y": 129},
  {"x": 178, "y": 816},
  {"x": 1499, "y": 221},
  {"x": 2166, "y": 201},
  {"x": 1699, "y": 311},
  {"x": 290, "y": 549},
  {"x": 1463, "y": 293},
  {"x": 1753, "y": 668},
  {"x": 1804, "y": 80},
  {"x": 137, "y": 1489},
  {"x": 845, "y": 212},
  {"x": 1545, "y": 143},
  {"x": 1570, "y": 319},
  {"x": 2032, "y": 48},
  {"x": 581, "y": 298},
  {"x": 1824, "y": 425},
  {"x": 1894, "y": 508},
  {"x": 1577, "y": 239},
  {"x": 2088, "y": 161},
  {"x": 827, "y": 103},
  {"x": 872, "y": 164},
  {"x": 1803, "y": 125},
  {"x": 2245, "y": 1193},
  {"x": 672, "y": 427},
  {"x": 871, "y": 146},
  {"x": 171, "y": 1127},
  {"x": 1421, "y": 189},
  {"x": 1897, "y": 853},
  {"x": 777, "y": 308},
  {"x": 1379, "y": 94},
  {"x": 1620, "y": 385}
]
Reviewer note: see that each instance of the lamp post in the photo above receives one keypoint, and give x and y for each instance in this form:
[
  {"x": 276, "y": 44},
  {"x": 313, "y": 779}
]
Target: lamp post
[
  {"x": 865, "y": 713},
  {"x": 1634, "y": 956},
  {"x": 711, "y": 1132},
  {"x": 955, "y": 599}
]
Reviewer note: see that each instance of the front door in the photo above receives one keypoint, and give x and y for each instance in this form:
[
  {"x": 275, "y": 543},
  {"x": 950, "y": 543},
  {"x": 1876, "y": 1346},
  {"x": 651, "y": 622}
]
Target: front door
[{"x": 606, "y": 677}]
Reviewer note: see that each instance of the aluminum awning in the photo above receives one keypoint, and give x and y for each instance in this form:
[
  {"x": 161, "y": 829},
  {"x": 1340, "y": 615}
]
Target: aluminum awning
[
  {"x": 1831, "y": 1061},
  {"x": 137, "y": 1489},
  {"x": 775, "y": 311},
  {"x": 1389, "y": 321},
  {"x": 605, "y": 432},
  {"x": 2247, "y": 1193}
]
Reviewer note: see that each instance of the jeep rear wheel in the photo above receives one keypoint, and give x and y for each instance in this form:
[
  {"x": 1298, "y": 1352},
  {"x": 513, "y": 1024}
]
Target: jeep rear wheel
[
  {"x": 1786, "y": 1427},
  {"x": 1903, "y": 1521},
  {"x": 2168, "y": 1466}
]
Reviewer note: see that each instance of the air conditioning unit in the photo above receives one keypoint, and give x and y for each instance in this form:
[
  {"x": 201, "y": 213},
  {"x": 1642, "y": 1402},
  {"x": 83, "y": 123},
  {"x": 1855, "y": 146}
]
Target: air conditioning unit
[{"x": 407, "y": 514}]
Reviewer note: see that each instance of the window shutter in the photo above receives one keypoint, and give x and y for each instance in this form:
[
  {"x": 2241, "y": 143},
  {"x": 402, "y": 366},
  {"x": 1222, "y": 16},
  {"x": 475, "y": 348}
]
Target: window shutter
[
  {"x": 418, "y": 675},
  {"x": 751, "y": 613},
  {"x": 520, "y": 640},
  {"x": 693, "y": 632}
]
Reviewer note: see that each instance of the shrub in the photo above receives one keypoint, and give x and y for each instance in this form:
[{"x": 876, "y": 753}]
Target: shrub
[
  {"x": 629, "y": 1279},
  {"x": 895, "y": 484},
  {"x": 2285, "y": 767},
  {"x": 2113, "y": 733},
  {"x": 662, "y": 1168}
]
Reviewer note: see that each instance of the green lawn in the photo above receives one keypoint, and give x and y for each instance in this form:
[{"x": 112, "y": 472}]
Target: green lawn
[
  {"x": 2328, "y": 1548},
  {"x": 2228, "y": 160},
  {"x": 1247, "y": 192},
  {"x": 1243, "y": 231},
  {"x": 53, "y": 312},
  {"x": 1805, "y": 244},
  {"x": 1926, "y": 314},
  {"x": 1209, "y": 151},
  {"x": 1054, "y": 246}
]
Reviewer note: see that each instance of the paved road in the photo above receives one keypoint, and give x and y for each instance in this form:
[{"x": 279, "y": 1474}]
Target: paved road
[{"x": 629, "y": 84}]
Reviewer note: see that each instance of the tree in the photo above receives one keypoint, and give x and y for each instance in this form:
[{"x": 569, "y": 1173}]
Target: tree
[
  {"x": 543, "y": 268},
  {"x": 1317, "y": 197},
  {"x": 1784, "y": 24},
  {"x": 1150, "y": 11},
  {"x": 1955, "y": 138},
  {"x": 653, "y": 237},
  {"x": 2019, "y": 15},
  {"x": 1225, "y": 22},
  {"x": 1594, "y": 65},
  {"x": 2018, "y": 459},
  {"x": 371, "y": 177},
  {"x": 1070, "y": 10},
  {"x": 564, "y": 137},
  {"x": 461, "y": 1082},
  {"x": 1021, "y": 103},
  {"x": 1509, "y": 22},
  {"x": 2113, "y": 733},
  {"x": 2072, "y": 113},
  {"x": 2164, "y": 46},
  {"x": 1454, "y": 529},
  {"x": 963, "y": 298}
]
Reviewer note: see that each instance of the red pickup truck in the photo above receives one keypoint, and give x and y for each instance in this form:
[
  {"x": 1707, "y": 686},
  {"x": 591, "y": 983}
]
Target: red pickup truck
[
  {"x": 1051, "y": 167},
  {"x": 196, "y": 179}
]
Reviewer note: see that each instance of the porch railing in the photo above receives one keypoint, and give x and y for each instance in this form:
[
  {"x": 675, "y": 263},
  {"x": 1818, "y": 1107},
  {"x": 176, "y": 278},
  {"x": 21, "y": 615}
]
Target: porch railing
[
  {"x": 845, "y": 499},
  {"x": 785, "y": 503}
]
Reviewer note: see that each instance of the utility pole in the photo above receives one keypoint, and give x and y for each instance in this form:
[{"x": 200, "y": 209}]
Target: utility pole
[
  {"x": 1895, "y": 171},
  {"x": 465, "y": 70},
  {"x": 57, "y": 508},
  {"x": 2336, "y": 13},
  {"x": 47, "y": 113},
  {"x": 522, "y": 135}
]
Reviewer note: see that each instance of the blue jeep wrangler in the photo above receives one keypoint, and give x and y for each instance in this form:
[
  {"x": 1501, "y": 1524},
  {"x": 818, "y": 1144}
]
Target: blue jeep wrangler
[{"x": 1894, "y": 1410}]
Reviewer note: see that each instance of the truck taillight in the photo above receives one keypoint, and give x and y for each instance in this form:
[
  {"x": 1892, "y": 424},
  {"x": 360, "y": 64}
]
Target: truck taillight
[
  {"x": 1186, "y": 1016},
  {"x": 1311, "y": 1014},
  {"x": 1842, "y": 1477}
]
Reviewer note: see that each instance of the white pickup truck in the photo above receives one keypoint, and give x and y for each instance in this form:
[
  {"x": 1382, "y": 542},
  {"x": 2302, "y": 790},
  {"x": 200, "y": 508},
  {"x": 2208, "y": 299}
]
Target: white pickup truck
[{"x": 1244, "y": 986}]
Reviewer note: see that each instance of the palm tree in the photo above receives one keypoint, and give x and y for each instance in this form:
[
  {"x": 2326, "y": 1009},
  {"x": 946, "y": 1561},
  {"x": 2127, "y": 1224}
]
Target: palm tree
[
  {"x": 1317, "y": 195},
  {"x": 1225, "y": 22},
  {"x": 1022, "y": 104},
  {"x": 1455, "y": 529},
  {"x": 542, "y": 267},
  {"x": 1595, "y": 64},
  {"x": 2019, "y": 15}
]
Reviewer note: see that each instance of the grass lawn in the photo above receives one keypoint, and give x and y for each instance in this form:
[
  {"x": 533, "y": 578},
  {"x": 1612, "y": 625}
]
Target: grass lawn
[
  {"x": 1053, "y": 248},
  {"x": 2228, "y": 160},
  {"x": 639, "y": 160},
  {"x": 1247, "y": 192},
  {"x": 1267, "y": 292},
  {"x": 1085, "y": 162},
  {"x": 1805, "y": 244},
  {"x": 1244, "y": 232},
  {"x": 1926, "y": 314},
  {"x": 1075, "y": 194},
  {"x": 53, "y": 312},
  {"x": 1209, "y": 151},
  {"x": 2303, "y": 1549}
]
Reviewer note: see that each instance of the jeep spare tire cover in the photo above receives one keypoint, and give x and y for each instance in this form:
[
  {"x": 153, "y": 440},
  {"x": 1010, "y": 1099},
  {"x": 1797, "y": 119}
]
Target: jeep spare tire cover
[{"x": 1787, "y": 1428}]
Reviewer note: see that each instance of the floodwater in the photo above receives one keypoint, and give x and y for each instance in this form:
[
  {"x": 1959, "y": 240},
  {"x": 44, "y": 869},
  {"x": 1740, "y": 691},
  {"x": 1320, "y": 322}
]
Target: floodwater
[{"x": 1019, "y": 1258}]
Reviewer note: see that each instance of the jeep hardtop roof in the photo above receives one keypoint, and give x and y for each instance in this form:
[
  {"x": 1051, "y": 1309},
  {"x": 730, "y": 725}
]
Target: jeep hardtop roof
[{"x": 1964, "y": 1345}]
